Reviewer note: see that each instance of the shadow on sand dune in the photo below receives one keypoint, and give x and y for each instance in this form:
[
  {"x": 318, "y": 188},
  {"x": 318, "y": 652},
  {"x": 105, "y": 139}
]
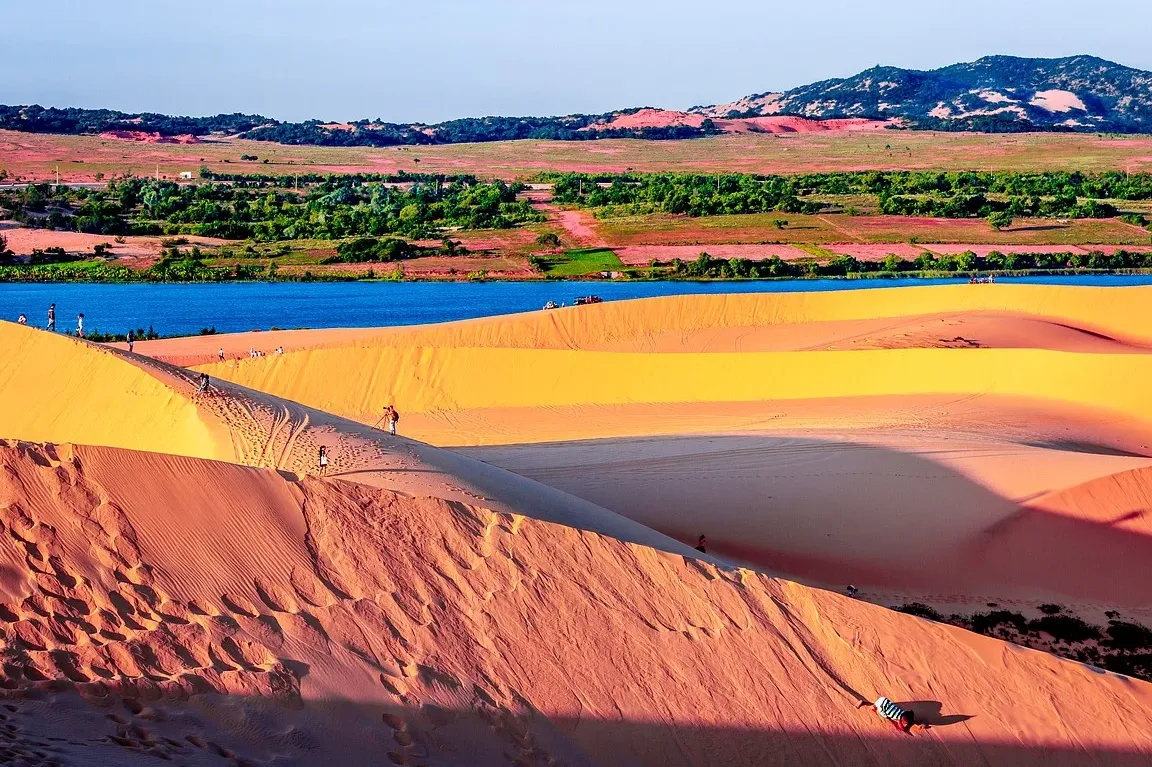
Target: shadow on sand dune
[
  {"x": 844, "y": 512},
  {"x": 192, "y": 731}
]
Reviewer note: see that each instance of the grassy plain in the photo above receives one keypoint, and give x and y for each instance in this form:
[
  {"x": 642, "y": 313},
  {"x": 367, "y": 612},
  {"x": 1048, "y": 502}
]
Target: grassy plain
[
  {"x": 80, "y": 158},
  {"x": 759, "y": 228}
]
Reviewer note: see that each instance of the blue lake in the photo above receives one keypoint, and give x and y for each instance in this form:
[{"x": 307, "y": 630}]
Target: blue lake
[{"x": 233, "y": 307}]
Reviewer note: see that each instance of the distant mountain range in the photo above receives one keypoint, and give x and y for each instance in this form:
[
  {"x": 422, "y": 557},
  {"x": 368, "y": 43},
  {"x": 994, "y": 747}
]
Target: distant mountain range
[{"x": 994, "y": 94}]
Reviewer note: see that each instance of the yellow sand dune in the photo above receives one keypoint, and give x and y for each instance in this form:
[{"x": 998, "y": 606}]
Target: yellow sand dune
[
  {"x": 356, "y": 382},
  {"x": 1098, "y": 316},
  {"x": 56, "y": 388}
]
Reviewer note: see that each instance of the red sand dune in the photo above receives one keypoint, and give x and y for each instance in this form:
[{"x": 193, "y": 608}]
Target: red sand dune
[
  {"x": 666, "y": 118},
  {"x": 784, "y": 124},
  {"x": 147, "y": 137},
  {"x": 169, "y": 608}
]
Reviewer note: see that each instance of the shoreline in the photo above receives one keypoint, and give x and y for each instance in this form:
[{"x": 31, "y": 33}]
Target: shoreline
[{"x": 369, "y": 276}]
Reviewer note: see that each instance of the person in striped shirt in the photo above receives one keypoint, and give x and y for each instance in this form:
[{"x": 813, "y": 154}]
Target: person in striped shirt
[{"x": 900, "y": 719}]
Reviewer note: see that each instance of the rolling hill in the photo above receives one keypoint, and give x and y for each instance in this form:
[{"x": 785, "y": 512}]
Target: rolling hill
[{"x": 995, "y": 93}]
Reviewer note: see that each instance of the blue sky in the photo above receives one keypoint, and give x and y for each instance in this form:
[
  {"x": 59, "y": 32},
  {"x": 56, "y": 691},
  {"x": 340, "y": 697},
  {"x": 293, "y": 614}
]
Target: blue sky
[{"x": 430, "y": 60}]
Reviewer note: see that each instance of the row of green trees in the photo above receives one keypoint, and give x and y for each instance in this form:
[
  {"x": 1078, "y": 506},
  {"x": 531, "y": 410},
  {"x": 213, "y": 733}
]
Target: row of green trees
[
  {"x": 705, "y": 266},
  {"x": 335, "y": 208},
  {"x": 951, "y": 195}
]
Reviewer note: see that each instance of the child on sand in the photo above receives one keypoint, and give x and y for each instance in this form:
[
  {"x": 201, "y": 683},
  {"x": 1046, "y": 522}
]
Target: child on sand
[
  {"x": 52, "y": 318},
  {"x": 323, "y": 460},
  {"x": 899, "y": 718},
  {"x": 79, "y": 325},
  {"x": 22, "y": 320}
]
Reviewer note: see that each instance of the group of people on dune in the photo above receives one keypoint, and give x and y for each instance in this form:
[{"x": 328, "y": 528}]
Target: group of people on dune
[
  {"x": 390, "y": 418},
  {"x": 23, "y": 320}
]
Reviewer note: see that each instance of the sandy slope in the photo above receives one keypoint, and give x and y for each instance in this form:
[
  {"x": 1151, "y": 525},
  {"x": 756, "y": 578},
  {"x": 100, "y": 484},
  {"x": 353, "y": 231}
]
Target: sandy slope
[
  {"x": 882, "y": 437},
  {"x": 135, "y": 402},
  {"x": 167, "y": 607},
  {"x": 421, "y": 607}
]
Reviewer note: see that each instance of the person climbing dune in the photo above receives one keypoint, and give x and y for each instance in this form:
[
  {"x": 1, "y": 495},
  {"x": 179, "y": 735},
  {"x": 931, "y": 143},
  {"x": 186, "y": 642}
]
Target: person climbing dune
[
  {"x": 702, "y": 544},
  {"x": 899, "y": 718}
]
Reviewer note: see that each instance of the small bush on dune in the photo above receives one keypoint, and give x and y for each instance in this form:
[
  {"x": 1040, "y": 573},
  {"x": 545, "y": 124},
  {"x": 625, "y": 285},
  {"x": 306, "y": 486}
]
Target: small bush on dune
[
  {"x": 984, "y": 623},
  {"x": 1066, "y": 628},
  {"x": 921, "y": 610},
  {"x": 1128, "y": 636},
  {"x": 1051, "y": 609}
]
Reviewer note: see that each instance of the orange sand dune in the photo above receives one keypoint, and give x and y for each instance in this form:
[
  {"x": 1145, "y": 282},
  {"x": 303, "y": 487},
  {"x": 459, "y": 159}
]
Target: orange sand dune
[
  {"x": 134, "y": 402},
  {"x": 861, "y": 457},
  {"x": 159, "y": 607}
]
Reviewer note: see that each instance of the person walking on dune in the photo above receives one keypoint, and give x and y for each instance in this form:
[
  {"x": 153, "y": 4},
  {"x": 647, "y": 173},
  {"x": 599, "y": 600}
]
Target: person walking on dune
[
  {"x": 79, "y": 325},
  {"x": 220, "y": 354},
  {"x": 131, "y": 340},
  {"x": 52, "y": 318},
  {"x": 323, "y": 460},
  {"x": 899, "y": 718}
]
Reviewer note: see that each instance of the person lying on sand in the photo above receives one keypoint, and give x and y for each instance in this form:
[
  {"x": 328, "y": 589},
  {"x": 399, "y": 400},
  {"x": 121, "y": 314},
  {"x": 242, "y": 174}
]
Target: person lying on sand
[{"x": 899, "y": 718}]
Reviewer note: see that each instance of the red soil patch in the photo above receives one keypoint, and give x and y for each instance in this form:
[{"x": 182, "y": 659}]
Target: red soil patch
[
  {"x": 22, "y": 241},
  {"x": 578, "y": 224},
  {"x": 640, "y": 255},
  {"x": 800, "y": 125},
  {"x": 147, "y": 137},
  {"x": 650, "y": 118},
  {"x": 877, "y": 251},
  {"x": 983, "y": 250},
  {"x": 666, "y": 118}
]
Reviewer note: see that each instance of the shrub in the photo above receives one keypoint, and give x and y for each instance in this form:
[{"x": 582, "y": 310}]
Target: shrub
[
  {"x": 370, "y": 249},
  {"x": 921, "y": 610},
  {"x": 1128, "y": 636},
  {"x": 548, "y": 240},
  {"x": 983, "y": 623},
  {"x": 1065, "y": 627},
  {"x": 1051, "y": 609}
]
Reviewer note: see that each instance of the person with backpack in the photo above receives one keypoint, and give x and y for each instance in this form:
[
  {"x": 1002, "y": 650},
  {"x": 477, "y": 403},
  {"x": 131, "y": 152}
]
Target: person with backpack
[
  {"x": 899, "y": 718},
  {"x": 392, "y": 417}
]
